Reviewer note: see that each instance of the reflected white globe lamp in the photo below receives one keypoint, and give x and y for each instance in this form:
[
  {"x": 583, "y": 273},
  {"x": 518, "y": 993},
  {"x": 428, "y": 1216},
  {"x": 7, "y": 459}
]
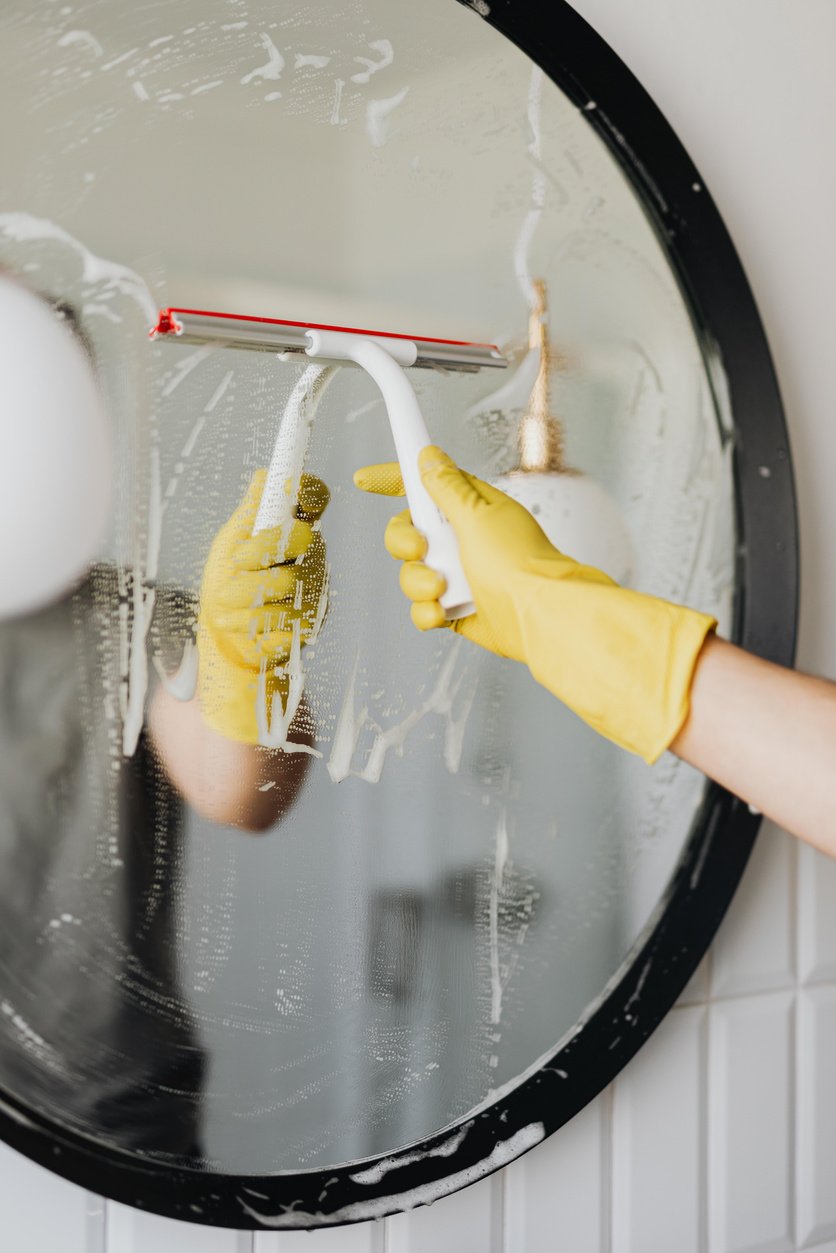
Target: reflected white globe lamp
[{"x": 55, "y": 454}]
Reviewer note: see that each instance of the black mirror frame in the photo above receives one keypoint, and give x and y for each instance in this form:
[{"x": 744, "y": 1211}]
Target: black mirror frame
[{"x": 703, "y": 257}]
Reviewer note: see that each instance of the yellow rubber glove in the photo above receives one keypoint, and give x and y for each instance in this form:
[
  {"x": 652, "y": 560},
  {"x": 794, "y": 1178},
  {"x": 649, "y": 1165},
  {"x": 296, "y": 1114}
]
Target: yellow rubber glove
[
  {"x": 248, "y": 603},
  {"x": 622, "y": 660}
]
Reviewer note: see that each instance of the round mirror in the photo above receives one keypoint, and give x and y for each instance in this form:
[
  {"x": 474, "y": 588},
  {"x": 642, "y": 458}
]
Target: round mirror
[{"x": 383, "y": 943}]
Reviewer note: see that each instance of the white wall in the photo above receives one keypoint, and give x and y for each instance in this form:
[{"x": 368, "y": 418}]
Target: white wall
[{"x": 721, "y": 1135}]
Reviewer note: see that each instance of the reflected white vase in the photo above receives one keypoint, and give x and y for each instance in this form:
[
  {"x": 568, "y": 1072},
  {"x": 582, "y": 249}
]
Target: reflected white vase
[
  {"x": 55, "y": 454},
  {"x": 579, "y": 517}
]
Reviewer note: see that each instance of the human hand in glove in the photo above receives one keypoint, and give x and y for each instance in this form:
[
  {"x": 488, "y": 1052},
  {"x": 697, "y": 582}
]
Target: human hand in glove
[
  {"x": 254, "y": 587},
  {"x": 622, "y": 660}
]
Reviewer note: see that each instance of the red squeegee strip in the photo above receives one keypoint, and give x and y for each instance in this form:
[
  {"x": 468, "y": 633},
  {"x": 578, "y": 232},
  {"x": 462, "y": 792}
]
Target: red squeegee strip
[{"x": 167, "y": 325}]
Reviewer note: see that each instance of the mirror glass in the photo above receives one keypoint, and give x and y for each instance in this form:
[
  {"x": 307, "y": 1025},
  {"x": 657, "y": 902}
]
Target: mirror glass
[{"x": 254, "y": 959}]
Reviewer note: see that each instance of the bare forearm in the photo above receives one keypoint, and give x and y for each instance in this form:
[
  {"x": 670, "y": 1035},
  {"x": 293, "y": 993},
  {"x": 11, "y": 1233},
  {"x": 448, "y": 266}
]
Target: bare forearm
[
  {"x": 768, "y": 734},
  {"x": 240, "y": 785}
]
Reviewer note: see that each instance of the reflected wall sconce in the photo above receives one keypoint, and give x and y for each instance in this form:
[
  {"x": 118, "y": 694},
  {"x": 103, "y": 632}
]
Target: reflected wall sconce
[{"x": 576, "y": 513}]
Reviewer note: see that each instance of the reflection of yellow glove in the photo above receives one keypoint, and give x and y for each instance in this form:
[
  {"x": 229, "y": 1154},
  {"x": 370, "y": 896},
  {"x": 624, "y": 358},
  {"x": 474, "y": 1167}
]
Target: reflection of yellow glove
[
  {"x": 623, "y": 661},
  {"x": 248, "y": 603}
]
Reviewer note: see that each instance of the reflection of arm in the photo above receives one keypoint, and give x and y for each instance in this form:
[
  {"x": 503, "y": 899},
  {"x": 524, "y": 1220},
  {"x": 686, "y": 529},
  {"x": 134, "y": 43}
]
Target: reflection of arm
[
  {"x": 768, "y": 735},
  {"x": 234, "y": 784},
  {"x": 256, "y": 590}
]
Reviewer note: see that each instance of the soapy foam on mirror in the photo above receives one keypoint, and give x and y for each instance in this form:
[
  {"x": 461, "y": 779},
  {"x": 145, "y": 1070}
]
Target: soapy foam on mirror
[
  {"x": 447, "y": 1148},
  {"x": 387, "y": 56},
  {"x": 182, "y": 685},
  {"x": 272, "y": 733},
  {"x": 500, "y": 861},
  {"x": 339, "y": 84},
  {"x": 303, "y": 59},
  {"x": 84, "y": 39},
  {"x": 349, "y": 728},
  {"x": 23, "y": 227},
  {"x": 272, "y": 69},
  {"x": 377, "y": 116},
  {"x": 184, "y": 368},
  {"x": 513, "y": 394},
  {"x": 538, "y": 190},
  {"x": 503, "y": 1152},
  {"x": 29, "y": 1039},
  {"x": 442, "y": 699}
]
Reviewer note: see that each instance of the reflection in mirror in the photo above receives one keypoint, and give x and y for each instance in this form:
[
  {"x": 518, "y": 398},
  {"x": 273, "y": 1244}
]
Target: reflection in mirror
[{"x": 257, "y": 959}]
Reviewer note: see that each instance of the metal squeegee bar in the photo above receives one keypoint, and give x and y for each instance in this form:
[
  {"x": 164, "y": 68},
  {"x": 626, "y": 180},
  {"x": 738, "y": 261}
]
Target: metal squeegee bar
[{"x": 199, "y": 326}]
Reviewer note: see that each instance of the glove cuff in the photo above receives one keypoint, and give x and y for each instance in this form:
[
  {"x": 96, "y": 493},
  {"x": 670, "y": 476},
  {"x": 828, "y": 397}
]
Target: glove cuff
[{"x": 622, "y": 660}]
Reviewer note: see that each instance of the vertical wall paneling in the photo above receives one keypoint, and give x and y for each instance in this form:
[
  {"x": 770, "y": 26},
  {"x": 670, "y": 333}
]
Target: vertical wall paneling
[
  {"x": 360, "y": 1238},
  {"x": 817, "y": 917},
  {"x": 750, "y": 1118},
  {"x": 658, "y": 1141},
  {"x": 754, "y": 950},
  {"x": 39, "y": 1211},
  {"x": 816, "y": 1155},
  {"x": 96, "y": 1208},
  {"x": 556, "y": 1196},
  {"x": 133, "y": 1231},
  {"x": 456, "y": 1224}
]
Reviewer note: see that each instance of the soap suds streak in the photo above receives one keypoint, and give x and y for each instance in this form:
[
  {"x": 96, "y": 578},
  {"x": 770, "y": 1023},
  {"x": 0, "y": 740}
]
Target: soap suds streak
[
  {"x": 375, "y": 1173},
  {"x": 387, "y": 56},
  {"x": 538, "y": 191},
  {"x": 504, "y": 1152},
  {"x": 184, "y": 368},
  {"x": 182, "y": 685},
  {"x": 84, "y": 38},
  {"x": 339, "y": 84},
  {"x": 354, "y": 414},
  {"x": 500, "y": 861},
  {"x": 272, "y": 69},
  {"x": 349, "y": 728},
  {"x": 92, "y": 309},
  {"x": 377, "y": 116},
  {"x": 302, "y": 60},
  {"x": 23, "y": 227},
  {"x": 441, "y": 701},
  {"x": 191, "y": 441},
  {"x": 125, "y": 56},
  {"x": 30, "y": 1041}
]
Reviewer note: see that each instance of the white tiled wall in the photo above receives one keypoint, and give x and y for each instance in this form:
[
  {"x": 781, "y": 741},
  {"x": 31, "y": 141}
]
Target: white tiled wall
[{"x": 720, "y": 1137}]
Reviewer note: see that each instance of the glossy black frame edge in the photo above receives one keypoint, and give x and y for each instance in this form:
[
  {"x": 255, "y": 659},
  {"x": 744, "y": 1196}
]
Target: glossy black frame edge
[{"x": 704, "y": 258}]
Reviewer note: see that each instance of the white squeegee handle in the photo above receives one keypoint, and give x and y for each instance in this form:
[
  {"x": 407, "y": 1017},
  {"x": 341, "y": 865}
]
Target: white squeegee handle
[
  {"x": 385, "y": 360},
  {"x": 281, "y": 487}
]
